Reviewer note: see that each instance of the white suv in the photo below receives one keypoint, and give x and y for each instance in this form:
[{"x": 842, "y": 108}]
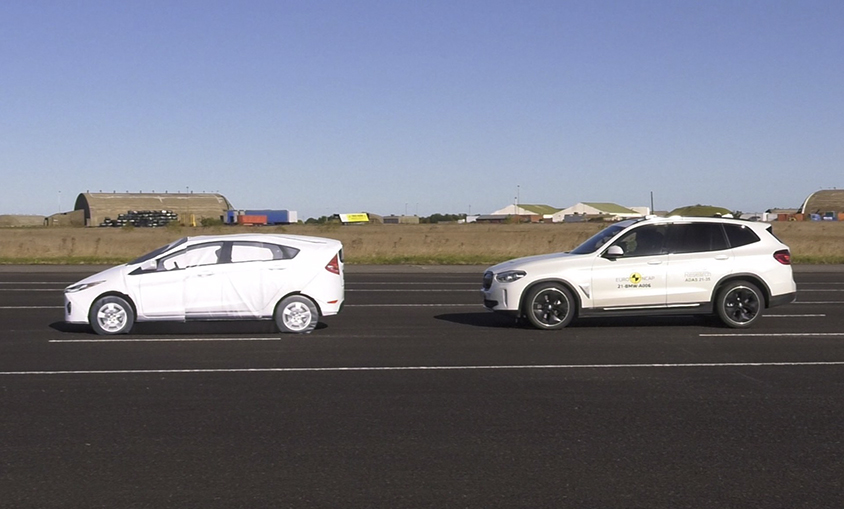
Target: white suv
[{"x": 653, "y": 266}]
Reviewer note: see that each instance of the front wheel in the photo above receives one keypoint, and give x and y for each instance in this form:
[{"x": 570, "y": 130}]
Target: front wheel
[
  {"x": 739, "y": 304},
  {"x": 550, "y": 306},
  {"x": 297, "y": 314},
  {"x": 111, "y": 315}
]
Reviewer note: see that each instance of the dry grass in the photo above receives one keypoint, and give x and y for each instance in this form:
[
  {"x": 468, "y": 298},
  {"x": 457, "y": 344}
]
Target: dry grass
[{"x": 819, "y": 242}]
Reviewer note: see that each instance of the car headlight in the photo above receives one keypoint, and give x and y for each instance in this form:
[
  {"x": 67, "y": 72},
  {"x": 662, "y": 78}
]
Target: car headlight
[
  {"x": 81, "y": 286},
  {"x": 510, "y": 276}
]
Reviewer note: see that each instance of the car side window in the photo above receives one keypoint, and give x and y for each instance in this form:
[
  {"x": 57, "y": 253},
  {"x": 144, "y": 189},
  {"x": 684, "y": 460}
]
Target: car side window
[
  {"x": 194, "y": 256},
  {"x": 643, "y": 241},
  {"x": 740, "y": 235},
  {"x": 260, "y": 251},
  {"x": 696, "y": 238}
]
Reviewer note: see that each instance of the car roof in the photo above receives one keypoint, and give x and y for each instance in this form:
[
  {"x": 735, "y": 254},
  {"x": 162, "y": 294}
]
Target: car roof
[
  {"x": 286, "y": 239},
  {"x": 687, "y": 219}
]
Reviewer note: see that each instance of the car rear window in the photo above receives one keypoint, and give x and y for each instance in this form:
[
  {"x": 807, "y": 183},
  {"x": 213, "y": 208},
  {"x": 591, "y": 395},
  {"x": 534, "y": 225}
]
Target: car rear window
[
  {"x": 261, "y": 251},
  {"x": 740, "y": 235}
]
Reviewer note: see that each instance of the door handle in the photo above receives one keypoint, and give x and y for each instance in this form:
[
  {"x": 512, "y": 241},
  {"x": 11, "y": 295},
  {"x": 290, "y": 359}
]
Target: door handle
[
  {"x": 655, "y": 262},
  {"x": 722, "y": 257}
]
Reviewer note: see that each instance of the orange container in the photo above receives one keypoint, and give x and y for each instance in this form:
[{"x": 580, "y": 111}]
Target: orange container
[{"x": 251, "y": 220}]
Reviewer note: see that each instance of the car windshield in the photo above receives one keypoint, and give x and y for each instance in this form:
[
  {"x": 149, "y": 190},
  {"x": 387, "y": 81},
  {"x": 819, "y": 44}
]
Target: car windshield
[
  {"x": 162, "y": 249},
  {"x": 599, "y": 239}
]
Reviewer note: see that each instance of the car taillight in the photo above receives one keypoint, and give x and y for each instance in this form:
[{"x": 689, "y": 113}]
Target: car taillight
[
  {"x": 334, "y": 265},
  {"x": 784, "y": 257}
]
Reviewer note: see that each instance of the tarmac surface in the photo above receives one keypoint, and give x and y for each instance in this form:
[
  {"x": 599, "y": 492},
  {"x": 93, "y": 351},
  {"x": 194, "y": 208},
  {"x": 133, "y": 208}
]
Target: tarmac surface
[{"x": 415, "y": 396}]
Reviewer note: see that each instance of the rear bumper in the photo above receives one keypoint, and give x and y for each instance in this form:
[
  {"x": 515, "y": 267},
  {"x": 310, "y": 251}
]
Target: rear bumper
[{"x": 780, "y": 300}]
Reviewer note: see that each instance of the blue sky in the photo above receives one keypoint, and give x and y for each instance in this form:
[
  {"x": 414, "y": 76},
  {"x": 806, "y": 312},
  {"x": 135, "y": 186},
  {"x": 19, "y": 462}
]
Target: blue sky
[{"x": 425, "y": 107}]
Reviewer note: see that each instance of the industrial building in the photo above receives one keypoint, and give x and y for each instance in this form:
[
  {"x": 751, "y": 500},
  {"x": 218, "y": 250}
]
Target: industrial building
[
  {"x": 825, "y": 204},
  {"x": 191, "y": 208}
]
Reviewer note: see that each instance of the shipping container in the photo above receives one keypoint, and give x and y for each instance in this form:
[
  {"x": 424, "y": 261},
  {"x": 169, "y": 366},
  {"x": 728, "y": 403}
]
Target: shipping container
[
  {"x": 273, "y": 216},
  {"x": 249, "y": 219}
]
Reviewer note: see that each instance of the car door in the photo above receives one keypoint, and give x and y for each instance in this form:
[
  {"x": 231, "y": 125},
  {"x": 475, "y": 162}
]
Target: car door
[
  {"x": 698, "y": 257},
  {"x": 203, "y": 294},
  {"x": 637, "y": 277},
  {"x": 262, "y": 274},
  {"x": 160, "y": 291},
  {"x": 240, "y": 285}
]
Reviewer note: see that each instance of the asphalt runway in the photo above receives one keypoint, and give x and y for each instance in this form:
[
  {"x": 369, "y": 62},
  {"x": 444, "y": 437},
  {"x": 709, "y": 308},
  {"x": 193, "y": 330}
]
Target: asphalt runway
[{"x": 415, "y": 396}]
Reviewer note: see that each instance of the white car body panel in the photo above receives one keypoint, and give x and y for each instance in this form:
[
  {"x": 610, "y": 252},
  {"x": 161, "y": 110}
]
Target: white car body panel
[
  {"x": 629, "y": 282},
  {"x": 248, "y": 286},
  {"x": 650, "y": 283}
]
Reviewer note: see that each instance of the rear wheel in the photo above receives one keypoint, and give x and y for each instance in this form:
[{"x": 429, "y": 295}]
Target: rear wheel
[
  {"x": 111, "y": 315},
  {"x": 297, "y": 314},
  {"x": 550, "y": 306},
  {"x": 739, "y": 304}
]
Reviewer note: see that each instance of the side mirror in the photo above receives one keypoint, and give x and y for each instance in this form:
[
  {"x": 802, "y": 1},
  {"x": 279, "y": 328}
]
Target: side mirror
[
  {"x": 614, "y": 252},
  {"x": 149, "y": 265}
]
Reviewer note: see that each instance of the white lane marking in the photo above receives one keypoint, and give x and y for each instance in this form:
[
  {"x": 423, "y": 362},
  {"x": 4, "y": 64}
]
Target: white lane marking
[
  {"x": 411, "y": 283},
  {"x": 405, "y": 290},
  {"x": 346, "y": 306},
  {"x": 203, "y": 340},
  {"x": 774, "y": 334},
  {"x": 427, "y": 368},
  {"x": 36, "y": 283},
  {"x": 412, "y": 305},
  {"x": 31, "y": 289},
  {"x": 793, "y": 316},
  {"x": 157, "y": 340},
  {"x": 31, "y": 307}
]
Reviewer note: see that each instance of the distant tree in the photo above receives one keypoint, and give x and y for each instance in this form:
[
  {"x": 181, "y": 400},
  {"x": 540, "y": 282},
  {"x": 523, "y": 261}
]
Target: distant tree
[
  {"x": 442, "y": 218},
  {"x": 319, "y": 220}
]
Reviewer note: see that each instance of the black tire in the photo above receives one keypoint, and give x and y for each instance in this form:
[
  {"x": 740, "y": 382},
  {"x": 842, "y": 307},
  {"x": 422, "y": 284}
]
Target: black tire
[
  {"x": 111, "y": 315},
  {"x": 296, "y": 314},
  {"x": 549, "y": 306},
  {"x": 739, "y": 304}
]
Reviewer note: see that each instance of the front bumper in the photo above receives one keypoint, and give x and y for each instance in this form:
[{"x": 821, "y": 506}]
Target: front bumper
[
  {"x": 501, "y": 298},
  {"x": 75, "y": 308}
]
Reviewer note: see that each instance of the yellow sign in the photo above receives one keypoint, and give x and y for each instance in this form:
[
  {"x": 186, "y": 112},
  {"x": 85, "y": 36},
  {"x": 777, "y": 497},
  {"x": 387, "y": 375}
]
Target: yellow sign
[
  {"x": 354, "y": 218},
  {"x": 635, "y": 278}
]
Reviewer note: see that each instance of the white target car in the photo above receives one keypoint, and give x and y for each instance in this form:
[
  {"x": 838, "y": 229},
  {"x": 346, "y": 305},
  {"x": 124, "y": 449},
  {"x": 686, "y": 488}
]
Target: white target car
[
  {"x": 291, "y": 279},
  {"x": 655, "y": 266}
]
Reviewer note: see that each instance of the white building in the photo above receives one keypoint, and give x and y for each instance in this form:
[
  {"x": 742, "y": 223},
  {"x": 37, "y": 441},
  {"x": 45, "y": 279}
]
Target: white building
[
  {"x": 546, "y": 211},
  {"x": 611, "y": 210}
]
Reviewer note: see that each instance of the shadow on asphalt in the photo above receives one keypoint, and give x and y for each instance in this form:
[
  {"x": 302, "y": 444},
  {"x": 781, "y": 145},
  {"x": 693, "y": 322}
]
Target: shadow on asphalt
[
  {"x": 491, "y": 320},
  {"x": 148, "y": 328},
  {"x": 485, "y": 319}
]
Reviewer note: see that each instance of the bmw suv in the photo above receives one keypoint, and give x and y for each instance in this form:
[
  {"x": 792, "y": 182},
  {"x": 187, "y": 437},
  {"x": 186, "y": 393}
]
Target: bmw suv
[{"x": 654, "y": 266}]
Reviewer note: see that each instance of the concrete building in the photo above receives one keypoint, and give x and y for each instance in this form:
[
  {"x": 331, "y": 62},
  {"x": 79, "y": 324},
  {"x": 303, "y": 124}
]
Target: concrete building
[
  {"x": 190, "y": 207},
  {"x": 17, "y": 220},
  {"x": 827, "y": 202},
  {"x": 401, "y": 219}
]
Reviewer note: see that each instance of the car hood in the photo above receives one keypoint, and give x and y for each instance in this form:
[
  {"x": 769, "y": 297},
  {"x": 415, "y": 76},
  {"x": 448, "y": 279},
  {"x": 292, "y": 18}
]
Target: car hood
[
  {"x": 111, "y": 274},
  {"x": 528, "y": 261}
]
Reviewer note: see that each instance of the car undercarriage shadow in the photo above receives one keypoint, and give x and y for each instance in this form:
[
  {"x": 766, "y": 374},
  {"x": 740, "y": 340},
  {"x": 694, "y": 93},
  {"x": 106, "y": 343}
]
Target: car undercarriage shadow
[
  {"x": 485, "y": 319},
  {"x": 492, "y": 320},
  {"x": 221, "y": 327}
]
